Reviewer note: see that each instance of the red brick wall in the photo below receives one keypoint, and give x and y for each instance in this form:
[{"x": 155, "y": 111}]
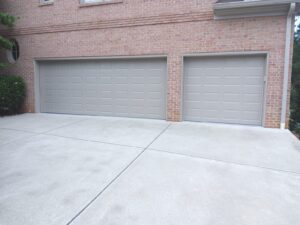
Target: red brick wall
[{"x": 146, "y": 27}]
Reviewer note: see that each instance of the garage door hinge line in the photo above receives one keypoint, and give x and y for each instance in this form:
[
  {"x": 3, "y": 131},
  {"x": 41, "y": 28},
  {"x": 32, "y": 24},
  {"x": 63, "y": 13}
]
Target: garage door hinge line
[{"x": 122, "y": 172}]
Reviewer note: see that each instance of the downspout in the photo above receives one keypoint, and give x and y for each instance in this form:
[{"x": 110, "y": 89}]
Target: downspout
[{"x": 287, "y": 64}]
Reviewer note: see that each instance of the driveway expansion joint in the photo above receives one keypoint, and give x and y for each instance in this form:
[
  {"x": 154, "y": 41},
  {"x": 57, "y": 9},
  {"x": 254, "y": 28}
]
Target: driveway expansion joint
[
  {"x": 20, "y": 130},
  {"x": 227, "y": 162},
  {"x": 43, "y": 132},
  {"x": 18, "y": 139},
  {"x": 119, "y": 175},
  {"x": 94, "y": 141},
  {"x": 62, "y": 126}
]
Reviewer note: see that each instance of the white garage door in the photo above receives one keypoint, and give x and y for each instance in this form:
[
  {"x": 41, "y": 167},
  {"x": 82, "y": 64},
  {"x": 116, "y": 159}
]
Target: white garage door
[
  {"x": 124, "y": 87},
  {"x": 224, "y": 89}
]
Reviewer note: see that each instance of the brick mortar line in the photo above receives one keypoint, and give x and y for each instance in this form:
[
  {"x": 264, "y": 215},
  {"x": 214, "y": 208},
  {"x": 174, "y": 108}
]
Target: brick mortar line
[{"x": 119, "y": 175}]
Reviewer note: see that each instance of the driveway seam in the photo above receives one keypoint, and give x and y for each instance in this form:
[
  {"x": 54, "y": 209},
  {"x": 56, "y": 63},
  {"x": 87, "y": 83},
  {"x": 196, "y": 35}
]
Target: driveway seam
[
  {"x": 43, "y": 132},
  {"x": 34, "y": 134},
  {"x": 94, "y": 141},
  {"x": 119, "y": 175},
  {"x": 20, "y": 130},
  {"x": 227, "y": 162},
  {"x": 18, "y": 139}
]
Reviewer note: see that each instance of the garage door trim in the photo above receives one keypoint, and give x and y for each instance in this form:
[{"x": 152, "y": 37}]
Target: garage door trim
[
  {"x": 37, "y": 61},
  {"x": 226, "y": 54}
]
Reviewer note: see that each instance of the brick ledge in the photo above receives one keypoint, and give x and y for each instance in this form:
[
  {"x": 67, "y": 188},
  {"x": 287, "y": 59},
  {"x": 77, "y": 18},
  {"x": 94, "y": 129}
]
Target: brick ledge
[{"x": 118, "y": 23}]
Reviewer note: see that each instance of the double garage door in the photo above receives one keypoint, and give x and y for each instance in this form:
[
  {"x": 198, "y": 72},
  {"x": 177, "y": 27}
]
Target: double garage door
[
  {"x": 215, "y": 89},
  {"x": 125, "y": 88}
]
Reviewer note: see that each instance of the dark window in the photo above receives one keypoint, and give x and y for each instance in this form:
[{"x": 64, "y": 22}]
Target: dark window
[
  {"x": 13, "y": 54},
  {"x": 15, "y": 50}
]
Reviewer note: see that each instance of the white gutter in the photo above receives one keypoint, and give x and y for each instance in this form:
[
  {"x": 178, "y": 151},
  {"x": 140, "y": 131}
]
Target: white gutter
[
  {"x": 252, "y": 3},
  {"x": 287, "y": 64}
]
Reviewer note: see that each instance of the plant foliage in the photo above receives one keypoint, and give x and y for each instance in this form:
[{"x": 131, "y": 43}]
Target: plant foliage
[
  {"x": 295, "y": 91},
  {"x": 12, "y": 94},
  {"x": 8, "y": 21}
]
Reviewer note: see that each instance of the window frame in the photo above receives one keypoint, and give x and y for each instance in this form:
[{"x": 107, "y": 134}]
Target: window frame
[
  {"x": 13, "y": 54},
  {"x": 83, "y": 3},
  {"x": 46, "y": 2}
]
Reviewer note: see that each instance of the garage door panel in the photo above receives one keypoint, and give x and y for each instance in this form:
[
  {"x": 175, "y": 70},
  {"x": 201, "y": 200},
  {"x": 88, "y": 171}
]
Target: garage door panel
[
  {"x": 224, "y": 89},
  {"x": 75, "y": 80},
  {"x": 91, "y": 79},
  {"x": 251, "y": 115},
  {"x": 251, "y": 106},
  {"x": 75, "y": 93},
  {"x": 212, "y": 97},
  {"x": 253, "y": 80},
  {"x": 232, "y": 97},
  {"x": 154, "y": 87},
  {"x": 213, "y": 80},
  {"x": 104, "y": 87},
  {"x": 136, "y": 94},
  {"x": 136, "y": 79},
  {"x": 210, "y": 114},
  {"x": 253, "y": 98},
  {"x": 207, "y": 106},
  {"x": 210, "y": 88},
  {"x": 252, "y": 89},
  {"x": 202, "y": 106},
  {"x": 232, "y": 89},
  {"x": 192, "y": 88},
  {"x": 254, "y": 71},
  {"x": 226, "y": 61},
  {"x": 231, "y": 106},
  {"x": 154, "y": 110},
  {"x": 231, "y": 115},
  {"x": 229, "y": 80},
  {"x": 154, "y": 103},
  {"x": 154, "y": 95},
  {"x": 230, "y": 71},
  {"x": 91, "y": 93},
  {"x": 196, "y": 75},
  {"x": 155, "y": 80},
  {"x": 192, "y": 96}
]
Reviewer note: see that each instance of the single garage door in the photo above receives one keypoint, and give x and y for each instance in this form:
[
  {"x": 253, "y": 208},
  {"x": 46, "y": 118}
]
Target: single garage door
[
  {"x": 226, "y": 89},
  {"x": 123, "y": 87}
]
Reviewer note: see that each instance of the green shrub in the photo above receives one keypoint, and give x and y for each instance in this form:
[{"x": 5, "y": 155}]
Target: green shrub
[{"x": 12, "y": 94}]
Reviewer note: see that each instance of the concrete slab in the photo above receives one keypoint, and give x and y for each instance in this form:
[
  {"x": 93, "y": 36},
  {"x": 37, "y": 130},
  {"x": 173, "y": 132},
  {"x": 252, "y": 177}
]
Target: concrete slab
[
  {"x": 47, "y": 180},
  {"x": 37, "y": 122},
  {"x": 214, "y": 174},
  {"x": 7, "y": 135},
  {"x": 162, "y": 188},
  {"x": 123, "y": 131},
  {"x": 256, "y": 146}
]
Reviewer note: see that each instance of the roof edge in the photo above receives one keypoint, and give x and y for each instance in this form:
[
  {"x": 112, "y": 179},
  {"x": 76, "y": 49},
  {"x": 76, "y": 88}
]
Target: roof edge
[
  {"x": 263, "y": 7},
  {"x": 241, "y": 4}
]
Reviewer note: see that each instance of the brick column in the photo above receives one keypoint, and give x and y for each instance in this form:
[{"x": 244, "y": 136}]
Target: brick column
[{"x": 174, "y": 87}]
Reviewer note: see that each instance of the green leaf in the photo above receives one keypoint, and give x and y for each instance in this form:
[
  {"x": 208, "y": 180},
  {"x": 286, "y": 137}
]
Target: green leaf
[
  {"x": 5, "y": 43},
  {"x": 7, "y": 19}
]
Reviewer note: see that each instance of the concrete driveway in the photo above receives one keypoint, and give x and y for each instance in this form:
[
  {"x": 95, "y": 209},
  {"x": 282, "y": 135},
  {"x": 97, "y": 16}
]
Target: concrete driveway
[{"x": 79, "y": 170}]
